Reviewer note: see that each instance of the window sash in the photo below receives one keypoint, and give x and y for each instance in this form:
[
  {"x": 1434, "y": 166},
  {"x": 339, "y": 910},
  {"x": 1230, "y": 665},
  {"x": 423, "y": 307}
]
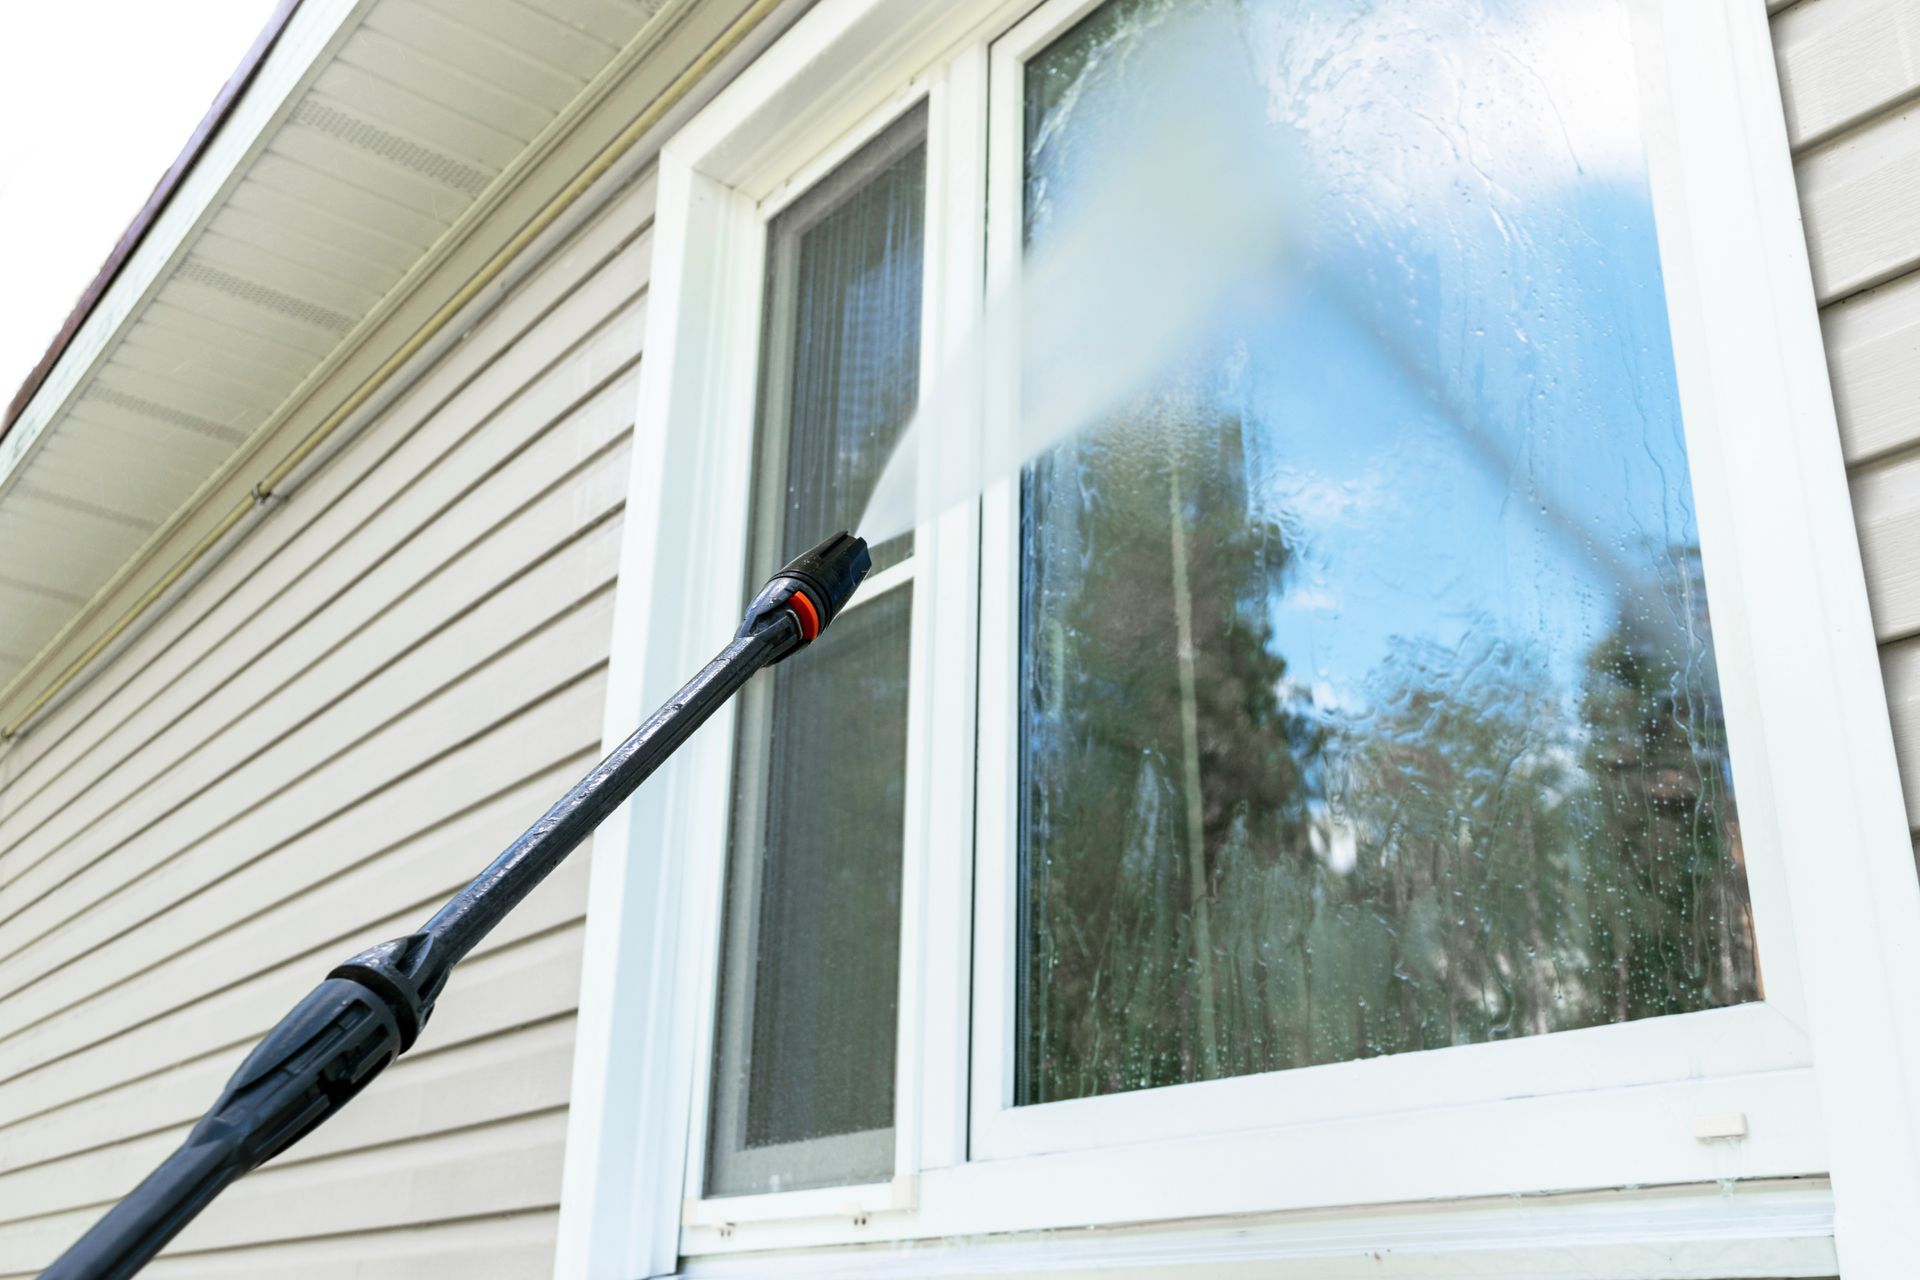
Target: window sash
[
  {"x": 739, "y": 358},
  {"x": 1767, "y": 1035}
]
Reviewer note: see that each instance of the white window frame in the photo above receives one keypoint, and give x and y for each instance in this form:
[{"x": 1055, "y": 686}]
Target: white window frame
[{"x": 1836, "y": 905}]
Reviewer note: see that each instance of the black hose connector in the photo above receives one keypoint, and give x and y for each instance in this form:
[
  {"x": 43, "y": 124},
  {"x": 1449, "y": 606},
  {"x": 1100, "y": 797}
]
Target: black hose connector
[
  {"x": 327, "y": 1049},
  {"x": 814, "y": 586}
]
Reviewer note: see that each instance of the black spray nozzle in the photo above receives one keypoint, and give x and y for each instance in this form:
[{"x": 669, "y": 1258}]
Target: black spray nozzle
[{"x": 814, "y": 586}]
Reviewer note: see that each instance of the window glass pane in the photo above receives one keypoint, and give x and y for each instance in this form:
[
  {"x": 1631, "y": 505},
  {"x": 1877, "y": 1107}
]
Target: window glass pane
[
  {"x": 1368, "y": 688},
  {"x": 804, "y": 1062}
]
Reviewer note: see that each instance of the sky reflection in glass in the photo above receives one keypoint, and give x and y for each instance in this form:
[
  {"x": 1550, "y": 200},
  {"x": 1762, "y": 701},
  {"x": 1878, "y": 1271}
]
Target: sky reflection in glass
[{"x": 1443, "y": 760}]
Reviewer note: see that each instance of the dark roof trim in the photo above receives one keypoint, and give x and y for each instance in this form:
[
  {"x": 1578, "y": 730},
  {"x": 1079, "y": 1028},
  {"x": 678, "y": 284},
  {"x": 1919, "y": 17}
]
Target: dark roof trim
[{"x": 136, "y": 231}]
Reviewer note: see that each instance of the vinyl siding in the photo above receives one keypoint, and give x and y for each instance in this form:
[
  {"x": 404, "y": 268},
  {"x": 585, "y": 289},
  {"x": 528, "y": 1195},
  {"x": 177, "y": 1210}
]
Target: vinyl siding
[
  {"x": 1850, "y": 79},
  {"x": 328, "y": 735}
]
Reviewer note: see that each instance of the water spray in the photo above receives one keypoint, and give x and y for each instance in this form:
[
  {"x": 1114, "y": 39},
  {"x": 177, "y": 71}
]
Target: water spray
[{"x": 371, "y": 1008}]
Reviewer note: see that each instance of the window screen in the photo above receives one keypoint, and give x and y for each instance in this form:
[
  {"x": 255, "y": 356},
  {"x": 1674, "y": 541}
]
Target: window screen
[{"x": 804, "y": 1065}]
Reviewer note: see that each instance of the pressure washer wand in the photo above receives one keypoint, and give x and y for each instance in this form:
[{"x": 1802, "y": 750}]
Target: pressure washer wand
[{"x": 370, "y": 1009}]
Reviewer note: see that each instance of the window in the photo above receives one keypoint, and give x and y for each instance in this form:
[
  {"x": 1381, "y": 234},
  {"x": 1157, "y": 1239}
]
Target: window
[
  {"x": 804, "y": 1060},
  {"x": 1411, "y": 734},
  {"x": 1365, "y": 766}
]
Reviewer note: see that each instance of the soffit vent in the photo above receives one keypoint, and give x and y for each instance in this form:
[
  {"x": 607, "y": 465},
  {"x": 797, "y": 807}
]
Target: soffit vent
[
  {"x": 165, "y": 413},
  {"x": 408, "y": 154},
  {"x": 80, "y": 506},
  {"x": 261, "y": 295}
]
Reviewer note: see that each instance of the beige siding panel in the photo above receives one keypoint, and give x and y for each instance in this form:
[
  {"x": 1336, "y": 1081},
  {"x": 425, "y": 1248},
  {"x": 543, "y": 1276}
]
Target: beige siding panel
[
  {"x": 502, "y": 1168},
  {"x": 345, "y": 720},
  {"x": 502, "y": 1247},
  {"x": 47, "y": 890},
  {"x": 1859, "y": 194},
  {"x": 526, "y": 988},
  {"x": 1901, "y": 665},
  {"x": 1873, "y": 353},
  {"x": 1886, "y": 508},
  {"x": 304, "y": 923},
  {"x": 537, "y": 671},
  {"x": 1844, "y": 60},
  {"x": 1850, "y": 80},
  {"x": 471, "y": 1085},
  {"x": 466, "y": 443}
]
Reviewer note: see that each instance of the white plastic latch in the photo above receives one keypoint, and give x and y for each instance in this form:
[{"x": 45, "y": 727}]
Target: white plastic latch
[{"x": 1721, "y": 1126}]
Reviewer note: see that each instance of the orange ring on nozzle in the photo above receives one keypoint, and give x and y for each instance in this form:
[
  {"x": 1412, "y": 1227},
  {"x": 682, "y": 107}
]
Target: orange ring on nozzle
[{"x": 809, "y": 619}]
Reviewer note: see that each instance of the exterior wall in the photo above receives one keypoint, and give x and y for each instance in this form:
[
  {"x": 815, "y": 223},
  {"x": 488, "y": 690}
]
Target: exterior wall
[
  {"x": 1850, "y": 76},
  {"x": 390, "y": 678},
  {"x": 323, "y": 739}
]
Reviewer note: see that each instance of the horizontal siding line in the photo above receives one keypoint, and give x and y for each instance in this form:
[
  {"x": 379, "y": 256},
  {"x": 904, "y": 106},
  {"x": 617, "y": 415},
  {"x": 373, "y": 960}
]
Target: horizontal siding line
[
  {"x": 484, "y": 348},
  {"x": 1912, "y": 268},
  {"x": 377, "y": 538},
  {"x": 1865, "y": 118},
  {"x": 523, "y": 930},
  {"x": 552, "y": 775},
  {"x": 365, "y": 1233},
  {"x": 493, "y": 1224},
  {"x": 1852, "y": 188},
  {"x": 1843, "y": 61},
  {"x": 490, "y": 953},
  {"x": 383, "y": 551},
  {"x": 1893, "y": 275},
  {"x": 73, "y": 868},
  {"x": 504, "y": 1246},
  {"x": 181, "y": 1126},
  {"x": 107, "y": 805},
  {"x": 501, "y": 324},
  {"x": 388, "y": 1144},
  {"x": 218, "y": 1063},
  {"x": 586, "y": 565},
  {"x": 1872, "y": 343},
  {"x": 294, "y": 545},
  {"x": 413, "y": 766},
  {"x": 411, "y": 802},
  {"x": 296, "y": 1157},
  {"x": 278, "y": 1203},
  {"x": 31, "y": 1056}
]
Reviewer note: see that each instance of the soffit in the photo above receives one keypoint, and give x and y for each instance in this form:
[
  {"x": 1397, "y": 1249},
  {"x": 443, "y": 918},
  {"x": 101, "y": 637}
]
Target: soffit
[{"x": 373, "y": 128}]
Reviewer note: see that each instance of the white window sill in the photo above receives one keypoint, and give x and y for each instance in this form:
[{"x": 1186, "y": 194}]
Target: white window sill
[{"x": 1745, "y": 1231}]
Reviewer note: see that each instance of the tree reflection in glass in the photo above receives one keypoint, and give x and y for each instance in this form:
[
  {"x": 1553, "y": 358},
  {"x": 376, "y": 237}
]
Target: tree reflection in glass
[{"x": 1368, "y": 693}]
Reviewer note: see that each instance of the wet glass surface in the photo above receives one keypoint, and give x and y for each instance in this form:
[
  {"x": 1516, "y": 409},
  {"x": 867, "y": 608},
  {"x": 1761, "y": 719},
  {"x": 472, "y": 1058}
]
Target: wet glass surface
[{"x": 1368, "y": 691}]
